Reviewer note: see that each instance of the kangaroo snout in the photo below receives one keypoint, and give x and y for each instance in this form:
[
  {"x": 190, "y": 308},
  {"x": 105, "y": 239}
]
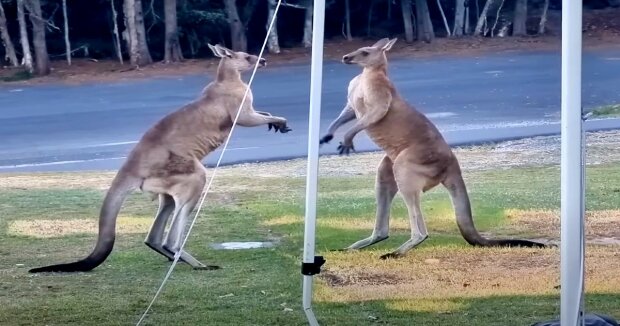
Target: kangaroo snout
[
  {"x": 262, "y": 62},
  {"x": 347, "y": 59}
]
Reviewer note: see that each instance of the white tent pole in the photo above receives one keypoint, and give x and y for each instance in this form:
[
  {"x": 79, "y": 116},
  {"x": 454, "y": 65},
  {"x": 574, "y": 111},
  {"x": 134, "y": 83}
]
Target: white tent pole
[
  {"x": 314, "y": 125},
  {"x": 572, "y": 259}
]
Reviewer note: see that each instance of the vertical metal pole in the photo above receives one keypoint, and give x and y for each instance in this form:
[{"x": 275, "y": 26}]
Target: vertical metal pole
[
  {"x": 571, "y": 167},
  {"x": 314, "y": 124}
]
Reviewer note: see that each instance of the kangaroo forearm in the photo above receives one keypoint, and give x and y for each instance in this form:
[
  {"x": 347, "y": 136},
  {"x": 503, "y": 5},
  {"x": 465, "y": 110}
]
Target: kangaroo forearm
[
  {"x": 254, "y": 119},
  {"x": 264, "y": 113},
  {"x": 345, "y": 116}
]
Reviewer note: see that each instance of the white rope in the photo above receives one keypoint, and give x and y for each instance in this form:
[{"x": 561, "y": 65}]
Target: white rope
[{"x": 207, "y": 187}]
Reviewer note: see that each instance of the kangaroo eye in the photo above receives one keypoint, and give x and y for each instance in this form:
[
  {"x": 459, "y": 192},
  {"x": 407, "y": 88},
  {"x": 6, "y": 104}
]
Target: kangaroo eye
[
  {"x": 247, "y": 57},
  {"x": 364, "y": 53}
]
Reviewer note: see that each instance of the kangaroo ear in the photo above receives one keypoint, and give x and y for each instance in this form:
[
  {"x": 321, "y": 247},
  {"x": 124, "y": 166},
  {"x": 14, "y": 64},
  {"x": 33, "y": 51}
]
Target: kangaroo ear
[
  {"x": 381, "y": 43},
  {"x": 224, "y": 51},
  {"x": 389, "y": 44},
  {"x": 214, "y": 50},
  {"x": 220, "y": 51}
]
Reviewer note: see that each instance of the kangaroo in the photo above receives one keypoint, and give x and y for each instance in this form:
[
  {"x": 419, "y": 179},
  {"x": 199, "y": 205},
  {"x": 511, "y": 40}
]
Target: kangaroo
[
  {"x": 167, "y": 161},
  {"x": 417, "y": 156}
]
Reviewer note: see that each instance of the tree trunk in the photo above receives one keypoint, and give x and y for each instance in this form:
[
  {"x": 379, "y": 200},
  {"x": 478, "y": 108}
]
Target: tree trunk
[
  {"x": 272, "y": 42},
  {"x": 483, "y": 18},
  {"x": 443, "y": 16},
  {"x": 459, "y": 15},
  {"x": 237, "y": 30},
  {"x": 117, "y": 41},
  {"x": 406, "y": 10},
  {"x": 497, "y": 15},
  {"x": 519, "y": 19},
  {"x": 425, "y": 26},
  {"x": 23, "y": 36},
  {"x": 9, "y": 49},
  {"x": 130, "y": 35},
  {"x": 467, "y": 27},
  {"x": 347, "y": 20},
  {"x": 369, "y": 23},
  {"x": 307, "y": 41},
  {"x": 143, "y": 47},
  {"x": 66, "y": 21},
  {"x": 42, "y": 66},
  {"x": 543, "y": 18},
  {"x": 172, "y": 50}
]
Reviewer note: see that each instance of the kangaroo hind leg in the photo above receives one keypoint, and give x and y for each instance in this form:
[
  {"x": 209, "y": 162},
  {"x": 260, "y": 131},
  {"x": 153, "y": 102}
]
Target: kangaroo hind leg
[
  {"x": 385, "y": 190},
  {"x": 186, "y": 195},
  {"x": 411, "y": 185},
  {"x": 155, "y": 238}
]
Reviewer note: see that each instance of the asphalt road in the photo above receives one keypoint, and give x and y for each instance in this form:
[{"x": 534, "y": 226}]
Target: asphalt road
[{"x": 471, "y": 99}]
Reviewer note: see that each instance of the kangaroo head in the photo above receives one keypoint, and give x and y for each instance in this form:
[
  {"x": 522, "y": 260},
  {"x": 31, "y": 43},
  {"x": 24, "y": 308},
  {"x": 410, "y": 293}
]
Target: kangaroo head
[
  {"x": 369, "y": 56},
  {"x": 239, "y": 61}
]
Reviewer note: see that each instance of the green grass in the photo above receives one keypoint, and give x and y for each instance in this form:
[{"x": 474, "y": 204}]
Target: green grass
[
  {"x": 264, "y": 282},
  {"x": 607, "y": 111}
]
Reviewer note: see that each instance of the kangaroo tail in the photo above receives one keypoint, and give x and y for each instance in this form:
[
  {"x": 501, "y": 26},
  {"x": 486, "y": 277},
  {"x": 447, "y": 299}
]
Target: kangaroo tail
[
  {"x": 119, "y": 190},
  {"x": 462, "y": 207}
]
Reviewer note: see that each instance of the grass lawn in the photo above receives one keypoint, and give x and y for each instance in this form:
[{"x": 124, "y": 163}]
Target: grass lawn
[{"x": 51, "y": 218}]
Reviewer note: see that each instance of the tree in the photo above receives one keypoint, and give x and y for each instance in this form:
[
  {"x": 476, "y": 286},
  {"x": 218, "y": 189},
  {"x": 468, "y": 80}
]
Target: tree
[
  {"x": 406, "y": 10},
  {"x": 459, "y": 15},
  {"x": 145, "y": 54},
  {"x": 135, "y": 33},
  {"x": 130, "y": 34},
  {"x": 66, "y": 23},
  {"x": 347, "y": 21},
  {"x": 42, "y": 66},
  {"x": 424, "y": 24},
  {"x": 238, "y": 38},
  {"x": 9, "y": 49},
  {"x": 272, "y": 42},
  {"x": 482, "y": 20},
  {"x": 23, "y": 36},
  {"x": 543, "y": 18},
  {"x": 443, "y": 17},
  {"x": 520, "y": 18},
  {"x": 307, "y": 40},
  {"x": 117, "y": 41},
  {"x": 172, "y": 47}
]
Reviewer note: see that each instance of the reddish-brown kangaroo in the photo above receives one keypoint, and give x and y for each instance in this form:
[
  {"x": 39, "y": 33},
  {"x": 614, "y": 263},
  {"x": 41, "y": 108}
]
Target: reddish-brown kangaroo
[
  {"x": 167, "y": 161},
  {"x": 417, "y": 156}
]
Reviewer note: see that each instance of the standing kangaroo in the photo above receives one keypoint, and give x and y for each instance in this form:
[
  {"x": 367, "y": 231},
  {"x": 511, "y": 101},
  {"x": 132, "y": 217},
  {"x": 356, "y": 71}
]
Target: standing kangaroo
[
  {"x": 417, "y": 157},
  {"x": 167, "y": 161}
]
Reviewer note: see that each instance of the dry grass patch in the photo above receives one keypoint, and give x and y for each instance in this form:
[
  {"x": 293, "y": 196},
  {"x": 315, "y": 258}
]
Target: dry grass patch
[
  {"x": 337, "y": 223},
  {"x": 452, "y": 272},
  {"x": 600, "y": 225},
  {"x": 69, "y": 180},
  {"x": 59, "y": 228},
  {"x": 437, "y": 223}
]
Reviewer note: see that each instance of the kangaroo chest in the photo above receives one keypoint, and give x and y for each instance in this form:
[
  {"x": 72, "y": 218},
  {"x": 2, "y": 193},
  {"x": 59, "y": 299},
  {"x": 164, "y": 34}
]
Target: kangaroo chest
[
  {"x": 355, "y": 97},
  {"x": 385, "y": 133}
]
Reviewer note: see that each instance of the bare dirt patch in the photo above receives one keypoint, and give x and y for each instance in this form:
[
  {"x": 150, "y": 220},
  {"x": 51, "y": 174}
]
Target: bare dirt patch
[
  {"x": 601, "y": 226},
  {"x": 450, "y": 272},
  {"x": 45, "y": 228},
  {"x": 336, "y": 279}
]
